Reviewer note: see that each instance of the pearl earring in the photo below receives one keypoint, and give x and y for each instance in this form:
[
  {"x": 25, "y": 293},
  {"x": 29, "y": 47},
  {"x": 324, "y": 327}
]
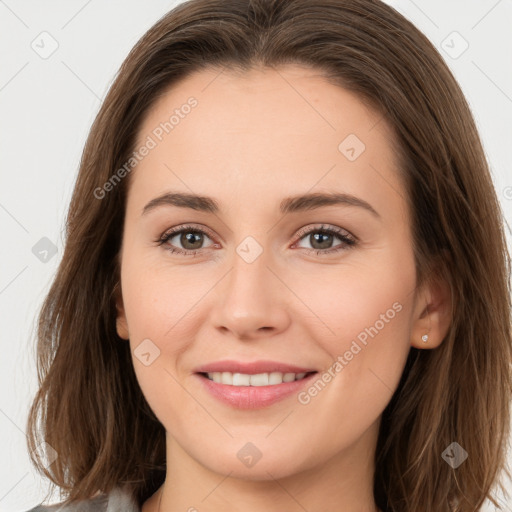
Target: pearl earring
[{"x": 424, "y": 338}]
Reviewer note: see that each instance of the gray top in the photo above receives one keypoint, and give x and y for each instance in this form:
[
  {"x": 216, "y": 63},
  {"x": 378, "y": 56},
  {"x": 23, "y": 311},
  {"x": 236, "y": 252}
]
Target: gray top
[{"x": 118, "y": 500}]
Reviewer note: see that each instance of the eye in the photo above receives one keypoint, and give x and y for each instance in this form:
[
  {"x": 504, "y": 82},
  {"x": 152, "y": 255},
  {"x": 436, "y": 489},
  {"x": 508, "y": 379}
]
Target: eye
[
  {"x": 191, "y": 238},
  {"x": 321, "y": 239}
]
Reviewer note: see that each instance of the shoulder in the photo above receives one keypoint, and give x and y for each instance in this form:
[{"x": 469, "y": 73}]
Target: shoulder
[{"x": 117, "y": 500}]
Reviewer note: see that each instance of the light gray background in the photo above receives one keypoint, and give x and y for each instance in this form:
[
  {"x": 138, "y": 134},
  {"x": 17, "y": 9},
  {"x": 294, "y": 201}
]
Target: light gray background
[{"x": 48, "y": 104}]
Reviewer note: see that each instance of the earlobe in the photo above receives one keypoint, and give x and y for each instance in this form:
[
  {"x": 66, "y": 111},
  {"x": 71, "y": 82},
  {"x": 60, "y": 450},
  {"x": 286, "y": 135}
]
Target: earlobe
[
  {"x": 121, "y": 323},
  {"x": 122, "y": 328},
  {"x": 433, "y": 315}
]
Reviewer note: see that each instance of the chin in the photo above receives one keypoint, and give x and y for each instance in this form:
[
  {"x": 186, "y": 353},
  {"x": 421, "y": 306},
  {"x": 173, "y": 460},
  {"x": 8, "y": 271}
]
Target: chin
[{"x": 271, "y": 464}]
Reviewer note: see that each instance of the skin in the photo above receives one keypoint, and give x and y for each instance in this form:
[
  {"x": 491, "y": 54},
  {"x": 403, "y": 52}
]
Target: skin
[{"x": 254, "y": 139}]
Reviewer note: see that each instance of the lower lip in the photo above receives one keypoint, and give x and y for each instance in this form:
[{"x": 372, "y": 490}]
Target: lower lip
[{"x": 253, "y": 397}]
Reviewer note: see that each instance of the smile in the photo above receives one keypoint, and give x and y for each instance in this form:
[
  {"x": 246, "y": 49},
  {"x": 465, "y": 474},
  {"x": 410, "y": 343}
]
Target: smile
[
  {"x": 258, "y": 379},
  {"x": 253, "y": 391}
]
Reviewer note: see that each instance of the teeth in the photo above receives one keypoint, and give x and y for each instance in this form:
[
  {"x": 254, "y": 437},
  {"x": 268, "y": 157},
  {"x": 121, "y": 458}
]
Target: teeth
[{"x": 259, "y": 379}]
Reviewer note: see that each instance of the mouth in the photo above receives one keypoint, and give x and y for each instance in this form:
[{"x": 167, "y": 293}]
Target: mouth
[
  {"x": 245, "y": 391},
  {"x": 254, "y": 380}
]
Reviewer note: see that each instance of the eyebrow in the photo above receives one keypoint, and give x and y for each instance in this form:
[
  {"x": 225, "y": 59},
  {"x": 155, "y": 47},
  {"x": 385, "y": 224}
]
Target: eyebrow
[{"x": 288, "y": 205}]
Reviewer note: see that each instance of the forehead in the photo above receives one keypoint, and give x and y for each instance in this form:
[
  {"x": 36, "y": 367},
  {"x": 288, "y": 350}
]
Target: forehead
[{"x": 253, "y": 134}]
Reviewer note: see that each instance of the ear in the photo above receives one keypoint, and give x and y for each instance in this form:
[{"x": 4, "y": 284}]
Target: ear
[
  {"x": 121, "y": 323},
  {"x": 432, "y": 312}
]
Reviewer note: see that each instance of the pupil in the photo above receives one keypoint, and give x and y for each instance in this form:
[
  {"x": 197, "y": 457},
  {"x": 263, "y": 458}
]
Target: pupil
[
  {"x": 189, "y": 237},
  {"x": 323, "y": 245}
]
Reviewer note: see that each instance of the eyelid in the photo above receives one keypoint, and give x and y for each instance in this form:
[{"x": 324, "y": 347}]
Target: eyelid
[
  {"x": 185, "y": 227},
  {"x": 300, "y": 233},
  {"x": 324, "y": 227}
]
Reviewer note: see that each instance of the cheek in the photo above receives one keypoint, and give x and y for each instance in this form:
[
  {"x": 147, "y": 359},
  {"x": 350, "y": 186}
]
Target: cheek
[
  {"x": 367, "y": 355},
  {"x": 160, "y": 321},
  {"x": 159, "y": 301},
  {"x": 362, "y": 320},
  {"x": 359, "y": 300}
]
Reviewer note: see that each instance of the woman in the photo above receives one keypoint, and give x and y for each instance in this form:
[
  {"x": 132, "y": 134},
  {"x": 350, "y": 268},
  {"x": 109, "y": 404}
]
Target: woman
[{"x": 285, "y": 284}]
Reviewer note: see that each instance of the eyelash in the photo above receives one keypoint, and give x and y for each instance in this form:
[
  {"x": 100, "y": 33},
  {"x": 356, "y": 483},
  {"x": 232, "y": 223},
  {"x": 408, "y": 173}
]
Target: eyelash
[{"x": 348, "y": 241}]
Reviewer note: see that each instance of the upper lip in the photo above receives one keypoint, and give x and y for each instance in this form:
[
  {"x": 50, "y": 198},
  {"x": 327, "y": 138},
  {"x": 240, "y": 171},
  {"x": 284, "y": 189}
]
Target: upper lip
[{"x": 251, "y": 368}]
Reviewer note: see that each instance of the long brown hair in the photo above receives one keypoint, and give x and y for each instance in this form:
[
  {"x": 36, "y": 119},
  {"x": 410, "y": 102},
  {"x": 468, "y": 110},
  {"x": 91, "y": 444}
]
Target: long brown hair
[{"x": 89, "y": 407}]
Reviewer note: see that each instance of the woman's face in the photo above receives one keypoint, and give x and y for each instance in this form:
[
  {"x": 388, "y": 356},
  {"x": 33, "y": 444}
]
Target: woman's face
[{"x": 265, "y": 284}]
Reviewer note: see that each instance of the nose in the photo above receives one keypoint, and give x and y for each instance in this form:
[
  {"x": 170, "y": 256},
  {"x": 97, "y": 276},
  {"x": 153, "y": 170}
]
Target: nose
[{"x": 251, "y": 300}]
